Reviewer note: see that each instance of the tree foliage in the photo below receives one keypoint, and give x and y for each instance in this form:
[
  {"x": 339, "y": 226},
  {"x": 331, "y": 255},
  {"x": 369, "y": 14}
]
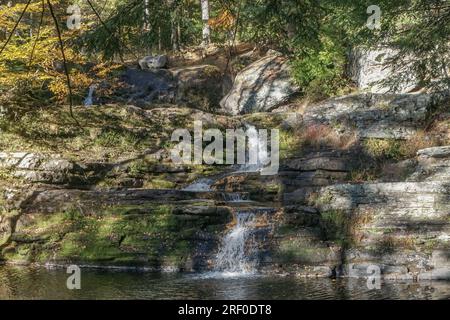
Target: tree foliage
[{"x": 316, "y": 35}]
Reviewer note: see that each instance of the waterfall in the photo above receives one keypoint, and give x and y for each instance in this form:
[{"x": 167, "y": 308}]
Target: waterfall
[
  {"x": 89, "y": 99},
  {"x": 235, "y": 197},
  {"x": 237, "y": 252},
  {"x": 255, "y": 139},
  {"x": 200, "y": 185}
]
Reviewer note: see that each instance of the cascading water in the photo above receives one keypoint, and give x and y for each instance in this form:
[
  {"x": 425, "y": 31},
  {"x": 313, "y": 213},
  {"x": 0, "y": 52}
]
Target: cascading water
[
  {"x": 205, "y": 184},
  {"x": 236, "y": 197},
  {"x": 89, "y": 99},
  {"x": 255, "y": 140},
  {"x": 200, "y": 185},
  {"x": 236, "y": 255}
]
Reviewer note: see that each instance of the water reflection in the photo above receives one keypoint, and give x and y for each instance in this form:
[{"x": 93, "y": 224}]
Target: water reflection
[{"x": 40, "y": 283}]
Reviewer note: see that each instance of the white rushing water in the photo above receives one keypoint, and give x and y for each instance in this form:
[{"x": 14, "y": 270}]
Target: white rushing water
[
  {"x": 255, "y": 140},
  {"x": 236, "y": 254},
  {"x": 90, "y": 97},
  {"x": 204, "y": 184},
  {"x": 236, "y": 197},
  {"x": 200, "y": 185}
]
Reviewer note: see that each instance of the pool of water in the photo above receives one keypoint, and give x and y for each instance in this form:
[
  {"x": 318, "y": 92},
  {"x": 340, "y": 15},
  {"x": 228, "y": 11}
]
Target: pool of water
[{"x": 41, "y": 283}]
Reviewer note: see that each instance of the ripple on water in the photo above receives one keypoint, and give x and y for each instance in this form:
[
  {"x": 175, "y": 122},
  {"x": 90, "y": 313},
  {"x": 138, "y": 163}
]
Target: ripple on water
[
  {"x": 225, "y": 275},
  {"x": 41, "y": 283}
]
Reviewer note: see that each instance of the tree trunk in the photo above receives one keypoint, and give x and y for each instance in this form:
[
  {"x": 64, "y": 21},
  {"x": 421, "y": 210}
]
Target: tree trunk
[
  {"x": 174, "y": 31},
  {"x": 31, "y": 25},
  {"x": 146, "y": 16},
  {"x": 174, "y": 7},
  {"x": 205, "y": 17},
  {"x": 179, "y": 21},
  {"x": 159, "y": 40}
]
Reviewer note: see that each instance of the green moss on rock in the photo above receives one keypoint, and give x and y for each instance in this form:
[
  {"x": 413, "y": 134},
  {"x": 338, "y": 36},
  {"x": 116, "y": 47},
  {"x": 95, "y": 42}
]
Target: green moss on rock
[{"x": 142, "y": 235}]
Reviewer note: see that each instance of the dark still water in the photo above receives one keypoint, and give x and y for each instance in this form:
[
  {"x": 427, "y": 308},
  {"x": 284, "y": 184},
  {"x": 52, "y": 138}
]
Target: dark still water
[{"x": 41, "y": 283}]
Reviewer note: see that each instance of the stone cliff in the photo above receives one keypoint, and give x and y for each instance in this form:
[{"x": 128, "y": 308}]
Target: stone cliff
[{"x": 364, "y": 179}]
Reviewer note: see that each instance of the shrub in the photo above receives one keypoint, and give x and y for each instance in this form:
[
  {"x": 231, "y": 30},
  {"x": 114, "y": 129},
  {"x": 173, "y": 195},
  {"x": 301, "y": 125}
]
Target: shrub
[
  {"x": 383, "y": 148},
  {"x": 320, "y": 72},
  {"x": 398, "y": 149}
]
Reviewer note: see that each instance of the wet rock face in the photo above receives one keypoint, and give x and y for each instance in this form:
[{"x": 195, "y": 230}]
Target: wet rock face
[{"x": 261, "y": 86}]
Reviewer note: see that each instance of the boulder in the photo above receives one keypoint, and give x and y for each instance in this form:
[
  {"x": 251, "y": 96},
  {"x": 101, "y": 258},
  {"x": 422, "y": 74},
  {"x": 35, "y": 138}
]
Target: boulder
[
  {"x": 146, "y": 86},
  {"x": 368, "y": 68},
  {"x": 198, "y": 86},
  {"x": 261, "y": 86},
  {"x": 153, "y": 62}
]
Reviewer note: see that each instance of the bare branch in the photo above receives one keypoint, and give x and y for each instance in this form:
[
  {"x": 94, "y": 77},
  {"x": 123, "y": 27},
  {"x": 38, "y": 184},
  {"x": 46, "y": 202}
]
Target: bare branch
[
  {"x": 15, "y": 27},
  {"x": 66, "y": 70},
  {"x": 37, "y": 34}
]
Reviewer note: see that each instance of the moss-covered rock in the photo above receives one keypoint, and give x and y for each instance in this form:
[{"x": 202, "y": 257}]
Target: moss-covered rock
[{"x": 150, "y": 235}]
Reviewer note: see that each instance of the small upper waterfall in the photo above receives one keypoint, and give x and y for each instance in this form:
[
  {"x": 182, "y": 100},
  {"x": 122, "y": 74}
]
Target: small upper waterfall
[
  {"x": 255, "y": 140},
  {"x": 200, "y": 185},
  {"x": 90, "y": 97},
  {"x": 237, "y": 252},
  {"x": 236, "y": 197}
]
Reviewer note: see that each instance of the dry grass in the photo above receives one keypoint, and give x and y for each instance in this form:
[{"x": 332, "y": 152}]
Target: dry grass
[
  {"x": 440, "y": 129},
  {"x": 420, "y": 140},
  {"x": 399, "y": 149},
  {"x": 364, "y": 175},
  {"x": 389, "y": 244},
  {"x": 320, "y": 135}
]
